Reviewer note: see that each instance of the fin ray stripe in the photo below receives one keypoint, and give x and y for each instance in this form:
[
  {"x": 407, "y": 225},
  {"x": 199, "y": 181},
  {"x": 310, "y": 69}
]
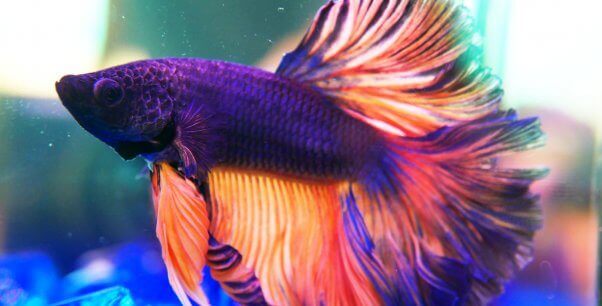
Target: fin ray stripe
[
  {"x": 182, "y": 230},
  {"x": 385, "y": 54},
  {"x": 291, "y": 233}
]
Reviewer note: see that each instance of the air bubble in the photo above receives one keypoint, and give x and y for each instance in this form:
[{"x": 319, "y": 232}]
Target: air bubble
[{"x": 547, "y": 272}]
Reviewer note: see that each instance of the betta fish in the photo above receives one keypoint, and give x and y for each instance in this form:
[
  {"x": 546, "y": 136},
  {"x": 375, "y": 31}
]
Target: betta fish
[{"x": 364, "y": 171}]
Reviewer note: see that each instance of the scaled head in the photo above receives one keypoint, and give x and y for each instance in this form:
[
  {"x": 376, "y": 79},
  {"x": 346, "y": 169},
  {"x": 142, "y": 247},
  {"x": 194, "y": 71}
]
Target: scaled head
[{"x": 123, "y": 104}]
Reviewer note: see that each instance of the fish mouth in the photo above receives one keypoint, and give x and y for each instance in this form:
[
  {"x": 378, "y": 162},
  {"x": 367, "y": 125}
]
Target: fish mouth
[
  {"x": 63, "y": 89},
  {"x": 71, "y": 89},
  {"x": 130, "y": 149}
]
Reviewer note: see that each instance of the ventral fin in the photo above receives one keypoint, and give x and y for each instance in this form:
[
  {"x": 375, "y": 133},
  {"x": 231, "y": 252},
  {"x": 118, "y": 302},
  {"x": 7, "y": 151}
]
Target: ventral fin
[
  {"x": 182, "y": 229},
  {"x": 407, "y": 67}
]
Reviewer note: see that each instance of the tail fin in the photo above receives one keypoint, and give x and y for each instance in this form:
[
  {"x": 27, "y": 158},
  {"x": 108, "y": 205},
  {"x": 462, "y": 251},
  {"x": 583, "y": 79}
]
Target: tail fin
[{"x": 449, "y": 224}]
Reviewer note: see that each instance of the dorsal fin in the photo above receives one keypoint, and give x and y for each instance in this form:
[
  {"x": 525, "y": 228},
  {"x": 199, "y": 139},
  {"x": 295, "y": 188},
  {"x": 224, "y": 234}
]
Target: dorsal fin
[{"x": 404, "y": 66}]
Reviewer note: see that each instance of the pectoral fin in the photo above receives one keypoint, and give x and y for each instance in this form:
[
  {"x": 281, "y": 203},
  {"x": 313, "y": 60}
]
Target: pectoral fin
[{"x": 196, "y": 139}]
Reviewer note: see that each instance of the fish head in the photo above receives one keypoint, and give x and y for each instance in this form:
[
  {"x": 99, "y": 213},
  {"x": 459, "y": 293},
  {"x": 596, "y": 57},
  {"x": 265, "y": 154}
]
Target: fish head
[{"x": 129, "y": 107}]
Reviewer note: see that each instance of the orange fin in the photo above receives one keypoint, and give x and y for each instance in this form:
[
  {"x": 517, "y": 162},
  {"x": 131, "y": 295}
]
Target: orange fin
[
  {"x": 406, "y": 67},
  {"x": 294, "y": 236},
  {"x": 182, "y": 229}
]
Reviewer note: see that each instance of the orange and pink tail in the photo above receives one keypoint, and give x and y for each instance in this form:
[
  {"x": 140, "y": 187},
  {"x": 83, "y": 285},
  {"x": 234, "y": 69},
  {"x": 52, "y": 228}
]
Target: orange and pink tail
[{"x": 449, "y": 223}]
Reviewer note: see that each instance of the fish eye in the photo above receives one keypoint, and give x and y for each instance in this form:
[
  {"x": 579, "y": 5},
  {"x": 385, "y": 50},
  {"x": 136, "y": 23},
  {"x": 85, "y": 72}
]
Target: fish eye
[{"x": 108, "y": 91}]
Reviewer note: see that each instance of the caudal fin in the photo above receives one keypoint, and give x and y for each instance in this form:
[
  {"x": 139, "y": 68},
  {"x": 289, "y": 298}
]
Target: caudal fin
[{"x": 450, "y": 224}]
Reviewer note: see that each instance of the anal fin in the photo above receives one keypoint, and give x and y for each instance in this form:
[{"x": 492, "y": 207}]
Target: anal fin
[{"x": 297, "y": 237}]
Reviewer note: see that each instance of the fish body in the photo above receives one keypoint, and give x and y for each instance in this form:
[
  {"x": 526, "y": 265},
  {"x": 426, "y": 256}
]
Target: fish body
[
  {"x": 264, "y": 121},
  {"x": 364, "y": 171},
  {"x": 272, "y": 123}
]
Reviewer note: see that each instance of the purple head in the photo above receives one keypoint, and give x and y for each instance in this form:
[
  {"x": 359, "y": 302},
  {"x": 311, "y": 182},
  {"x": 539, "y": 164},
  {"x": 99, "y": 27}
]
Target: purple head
[{"x": 129, "y": 107}]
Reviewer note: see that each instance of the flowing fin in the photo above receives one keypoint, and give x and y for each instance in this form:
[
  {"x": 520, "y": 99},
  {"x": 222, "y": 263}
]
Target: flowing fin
[
  {"x": 297, "y": 236},
  {"x": 182, "y": 229},
  {"x": 450, "y": 225},
  {"x": 237, "y": 280},
  {"x": 407, "y": 67}
]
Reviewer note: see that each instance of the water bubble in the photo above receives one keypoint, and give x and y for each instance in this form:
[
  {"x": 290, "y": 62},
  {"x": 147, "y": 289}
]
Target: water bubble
[
  {"x": 42, "y": 132},
  {"x": 50, "y": 145},
  {"x": 123, "y": 17},
  {"x": 280, "y": 9},
  {"x": 547, "y": 272}
]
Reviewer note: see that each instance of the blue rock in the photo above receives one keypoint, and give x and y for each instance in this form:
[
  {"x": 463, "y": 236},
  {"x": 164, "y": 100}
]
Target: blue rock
[
  {"x": 134, "y": 273},
  {"x": 138, "y": 267},
  {"x": 27, "y": 279},
  {"x": 117, "y": 296}
]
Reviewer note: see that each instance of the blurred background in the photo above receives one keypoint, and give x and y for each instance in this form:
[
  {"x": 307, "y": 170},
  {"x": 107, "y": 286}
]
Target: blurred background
[{"x": 75, "y": 218}]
